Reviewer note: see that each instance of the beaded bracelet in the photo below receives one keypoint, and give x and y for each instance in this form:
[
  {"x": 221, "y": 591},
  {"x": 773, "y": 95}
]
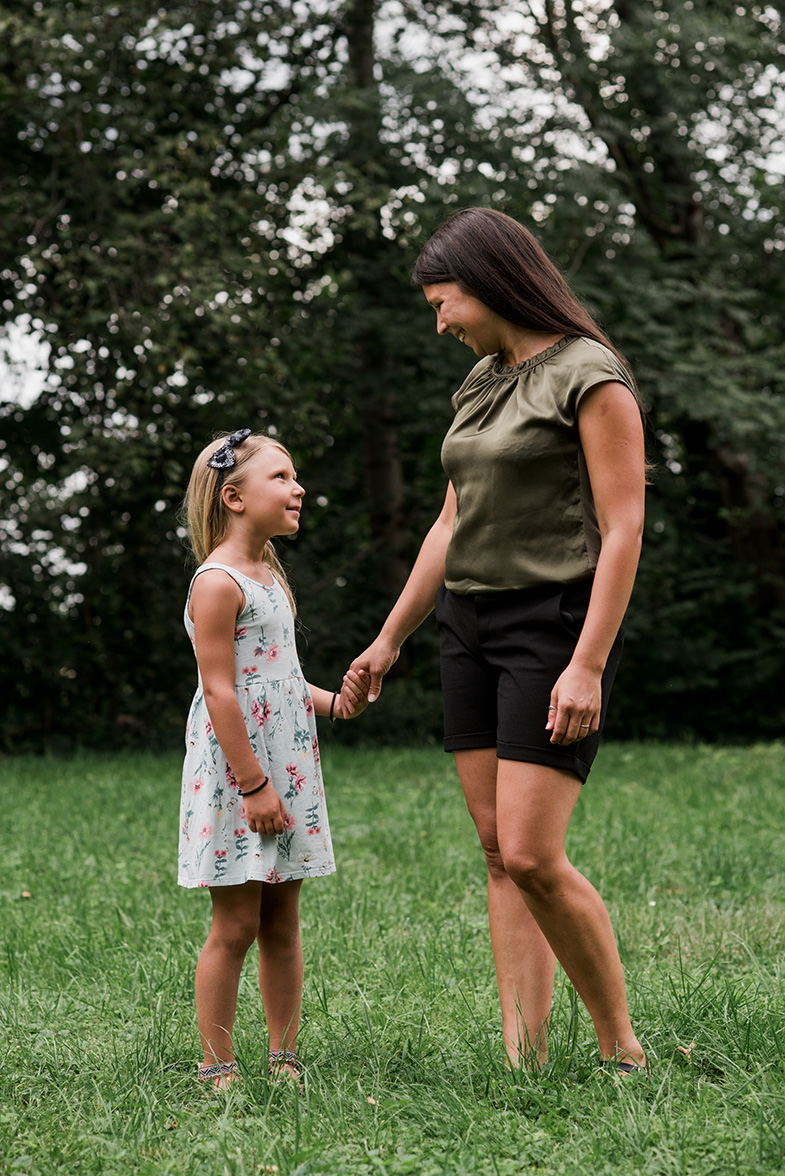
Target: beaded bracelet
[{"x": 258, "y": 788}]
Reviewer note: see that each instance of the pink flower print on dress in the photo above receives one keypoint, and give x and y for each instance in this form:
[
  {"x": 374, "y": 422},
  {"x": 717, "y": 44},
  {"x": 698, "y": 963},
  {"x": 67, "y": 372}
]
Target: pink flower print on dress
[
  {"x": 314, "y": 829},
  {"x": 249, "y": 670},
  {"x": 220, "y": 853},
  {"x": 273, "y": 653},
  {"x": 238, "y": 633},
  {"x": 240, "y": 832},
  {"x": 289, "y": 821},
  {"x": 257, "y": 712},
  {"x": 208, "y": 727},
  {"x": 296, "y": 777},
  {"x": 267, "y": 711},
  {"x": 272, "y": 875},
  {"x": 230, "y": 780},
  {"x": 308, "y": 704},
  {"x": 315, "y": 749},
  {"x": 196, "y": 786},
  {"x": 206, "y": 831}
]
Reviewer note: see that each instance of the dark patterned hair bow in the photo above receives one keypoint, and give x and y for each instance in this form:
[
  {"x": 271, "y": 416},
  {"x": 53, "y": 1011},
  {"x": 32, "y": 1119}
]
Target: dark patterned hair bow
[{"x": 223, "y": 459}]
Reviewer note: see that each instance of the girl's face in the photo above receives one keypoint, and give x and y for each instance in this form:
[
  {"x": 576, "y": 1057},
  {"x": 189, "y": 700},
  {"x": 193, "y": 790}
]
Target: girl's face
[
  {"x": 465, "y": 317},
  {"x": 270, "y": 496}
]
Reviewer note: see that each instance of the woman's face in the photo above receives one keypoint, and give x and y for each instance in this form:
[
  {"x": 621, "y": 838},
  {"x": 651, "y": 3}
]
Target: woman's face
[{"x": 464, "y": 316}]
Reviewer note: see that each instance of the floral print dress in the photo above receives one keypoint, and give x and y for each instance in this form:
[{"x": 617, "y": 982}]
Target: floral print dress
[{"x": 216, "y": 846}]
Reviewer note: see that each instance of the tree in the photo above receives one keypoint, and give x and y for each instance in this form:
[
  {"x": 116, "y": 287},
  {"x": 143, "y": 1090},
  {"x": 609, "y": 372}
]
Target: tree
[
  {"x": 137, "y": 140},
  {"x": 670, "y": 221},
  {"x": 210, "y": 213},
  {"x": 164, "y": 220}
]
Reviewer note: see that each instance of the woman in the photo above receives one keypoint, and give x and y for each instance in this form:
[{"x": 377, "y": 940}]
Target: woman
[{"x": 530, "y": 564}]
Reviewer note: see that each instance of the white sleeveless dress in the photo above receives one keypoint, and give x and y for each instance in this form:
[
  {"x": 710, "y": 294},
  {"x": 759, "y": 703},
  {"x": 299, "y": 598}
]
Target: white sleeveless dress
[{"x": 216, "y": 846}]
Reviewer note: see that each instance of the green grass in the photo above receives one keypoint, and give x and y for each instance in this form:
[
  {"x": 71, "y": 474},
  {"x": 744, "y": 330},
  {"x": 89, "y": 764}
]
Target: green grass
[{"x": 401, "y": 1033}]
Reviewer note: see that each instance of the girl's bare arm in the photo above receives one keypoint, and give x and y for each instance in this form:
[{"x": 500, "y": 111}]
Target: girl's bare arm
[{"x": 215, "y": 603}]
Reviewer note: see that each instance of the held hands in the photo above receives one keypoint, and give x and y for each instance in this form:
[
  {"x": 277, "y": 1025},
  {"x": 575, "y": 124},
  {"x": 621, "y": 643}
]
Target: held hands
[
  {"x": 375, "y": 662},
  {"x": 265, "y": 812},
  {"x": 353, "y": 698},
  {"x": 576, "y": 700}
]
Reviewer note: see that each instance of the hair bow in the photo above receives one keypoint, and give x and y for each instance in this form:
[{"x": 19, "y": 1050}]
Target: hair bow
[{"x": 223, "y": 459}]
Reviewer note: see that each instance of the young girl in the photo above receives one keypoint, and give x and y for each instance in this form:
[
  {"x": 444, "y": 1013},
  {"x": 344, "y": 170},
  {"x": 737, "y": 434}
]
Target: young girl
[{"x": 253, "y": 821}]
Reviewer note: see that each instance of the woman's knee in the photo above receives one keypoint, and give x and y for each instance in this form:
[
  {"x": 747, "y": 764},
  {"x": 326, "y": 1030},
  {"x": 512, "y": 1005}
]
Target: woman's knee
[
  {"x": 532, "y": 872},
  {"x": 493, "y": 857}
]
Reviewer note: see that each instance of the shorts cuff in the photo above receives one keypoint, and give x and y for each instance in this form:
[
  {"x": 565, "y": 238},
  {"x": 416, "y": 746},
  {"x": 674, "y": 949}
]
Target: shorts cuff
[
  {"x": 565, "y": 761},
  {"x": 474, "y": 741}
]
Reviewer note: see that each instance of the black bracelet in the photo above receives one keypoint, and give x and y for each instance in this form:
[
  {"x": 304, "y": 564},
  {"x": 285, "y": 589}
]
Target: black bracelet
[
  {"x": 332, "y": 706},
  {"x": 258, "y": 788}
]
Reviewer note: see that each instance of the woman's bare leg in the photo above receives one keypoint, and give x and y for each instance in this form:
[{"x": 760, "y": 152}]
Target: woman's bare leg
[
  {"x": 525, "y": 963},
  {"x": 534, "y": 805}
]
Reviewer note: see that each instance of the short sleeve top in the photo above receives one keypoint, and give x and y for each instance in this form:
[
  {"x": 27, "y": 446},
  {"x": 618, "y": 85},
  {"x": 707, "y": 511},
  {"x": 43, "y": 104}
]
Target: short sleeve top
[{"x": 513, "y": 454}]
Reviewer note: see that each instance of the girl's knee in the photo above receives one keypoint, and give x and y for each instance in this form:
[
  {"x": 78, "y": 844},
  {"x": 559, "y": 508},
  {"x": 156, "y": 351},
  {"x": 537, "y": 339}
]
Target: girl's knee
[
  {"x": 235, "y": 932},
  {"x": 279, "y": 921}
]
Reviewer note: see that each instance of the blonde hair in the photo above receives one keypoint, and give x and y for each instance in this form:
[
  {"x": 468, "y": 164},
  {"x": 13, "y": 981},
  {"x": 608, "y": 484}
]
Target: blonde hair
[{"x": 204, "y": 513}]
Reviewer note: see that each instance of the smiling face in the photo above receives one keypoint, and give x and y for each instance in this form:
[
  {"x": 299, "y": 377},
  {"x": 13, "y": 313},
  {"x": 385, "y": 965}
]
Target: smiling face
[
  {"x": 269, "y": 496},
  {"x": 464, "y": 316}
]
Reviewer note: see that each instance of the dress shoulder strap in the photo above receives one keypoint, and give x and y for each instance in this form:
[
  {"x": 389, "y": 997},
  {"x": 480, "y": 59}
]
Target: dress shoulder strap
[
  {"x": 238, "y": 577},
  {"x": 240, "y": 580}
]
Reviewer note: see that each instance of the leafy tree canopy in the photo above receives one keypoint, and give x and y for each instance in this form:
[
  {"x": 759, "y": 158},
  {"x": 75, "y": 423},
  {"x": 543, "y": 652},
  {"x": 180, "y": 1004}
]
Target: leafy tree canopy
[{"x": 209, "y": 213}]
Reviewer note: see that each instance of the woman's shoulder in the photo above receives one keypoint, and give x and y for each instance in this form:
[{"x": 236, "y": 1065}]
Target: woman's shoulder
[{"x": 583, "y": 351}]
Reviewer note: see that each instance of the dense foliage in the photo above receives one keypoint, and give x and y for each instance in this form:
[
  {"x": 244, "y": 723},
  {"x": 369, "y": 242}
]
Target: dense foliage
[{"x": 208, "y": 213}]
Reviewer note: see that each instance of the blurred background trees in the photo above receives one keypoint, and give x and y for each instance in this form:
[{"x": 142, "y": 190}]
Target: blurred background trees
[{"x": 208, "y": 215}]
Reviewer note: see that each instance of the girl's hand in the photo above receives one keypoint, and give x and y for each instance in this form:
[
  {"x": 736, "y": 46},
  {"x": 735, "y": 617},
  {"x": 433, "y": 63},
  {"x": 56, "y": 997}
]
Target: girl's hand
[
  {"x": 353, "y": 698},
  {"x": 576, "y": 700},
  {"x": 375, "y": 662},
  {"x": 265, "y": 812}
]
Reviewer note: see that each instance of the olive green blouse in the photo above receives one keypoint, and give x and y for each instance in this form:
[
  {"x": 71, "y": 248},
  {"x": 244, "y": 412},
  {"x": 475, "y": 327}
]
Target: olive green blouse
[{"x": 513, "y": 454}]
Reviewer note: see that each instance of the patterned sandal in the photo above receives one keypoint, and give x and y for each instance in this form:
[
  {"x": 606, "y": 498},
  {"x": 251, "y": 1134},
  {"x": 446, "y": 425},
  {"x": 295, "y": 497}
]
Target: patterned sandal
[
  {"x": 283, "y": 1065},
  {"x": 220, "y": 1074}
]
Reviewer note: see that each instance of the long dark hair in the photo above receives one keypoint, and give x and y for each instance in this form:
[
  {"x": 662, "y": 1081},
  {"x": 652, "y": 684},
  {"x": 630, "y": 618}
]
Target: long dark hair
[{"x": 494, "y": 258}]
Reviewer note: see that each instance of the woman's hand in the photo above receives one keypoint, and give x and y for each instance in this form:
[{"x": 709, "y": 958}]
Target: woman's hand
[
  {"x": 375, "y": 662},
  {"x": 576, "y": 700},
  {"x": 353, "y": 698},
  {"x": 265, "y": 812}
]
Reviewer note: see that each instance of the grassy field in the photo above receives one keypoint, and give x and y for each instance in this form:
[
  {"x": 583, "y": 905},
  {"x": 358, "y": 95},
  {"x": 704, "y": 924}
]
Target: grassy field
[{"x": 401, "y": 1037}]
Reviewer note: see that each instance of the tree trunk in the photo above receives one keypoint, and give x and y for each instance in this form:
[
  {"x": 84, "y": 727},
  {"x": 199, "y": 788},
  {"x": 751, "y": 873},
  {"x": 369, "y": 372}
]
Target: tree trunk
[{"x": 369, "y": 255}]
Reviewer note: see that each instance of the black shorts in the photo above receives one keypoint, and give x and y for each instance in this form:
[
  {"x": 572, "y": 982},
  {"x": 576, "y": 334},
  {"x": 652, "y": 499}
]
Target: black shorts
[{"x": 501, "y": 653}]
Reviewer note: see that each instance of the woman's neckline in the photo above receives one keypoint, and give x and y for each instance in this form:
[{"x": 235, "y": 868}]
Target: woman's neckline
[{"x": 500, "y": 368}]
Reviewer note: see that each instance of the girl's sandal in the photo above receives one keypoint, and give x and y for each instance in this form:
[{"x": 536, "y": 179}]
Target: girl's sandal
[
  {"x": 221, "y": 1074},
  {"x": 284, "y": 1066}
]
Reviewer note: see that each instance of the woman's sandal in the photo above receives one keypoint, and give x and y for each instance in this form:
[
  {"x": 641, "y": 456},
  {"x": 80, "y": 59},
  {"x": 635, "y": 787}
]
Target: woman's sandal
[
  {"x": 220, "y": 1074},
  {"x": 623, "y": 1067},
  {"x": 283, "y": 1065}
]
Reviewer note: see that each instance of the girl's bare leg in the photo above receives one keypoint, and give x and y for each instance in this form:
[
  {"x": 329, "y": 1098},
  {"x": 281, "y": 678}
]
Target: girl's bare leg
[
  {"x": 234, "y": 927},
  {"x": 525, "y": 963},
  {"x": 281, "y": 961},
  {"x": 534, "y": 805}
]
